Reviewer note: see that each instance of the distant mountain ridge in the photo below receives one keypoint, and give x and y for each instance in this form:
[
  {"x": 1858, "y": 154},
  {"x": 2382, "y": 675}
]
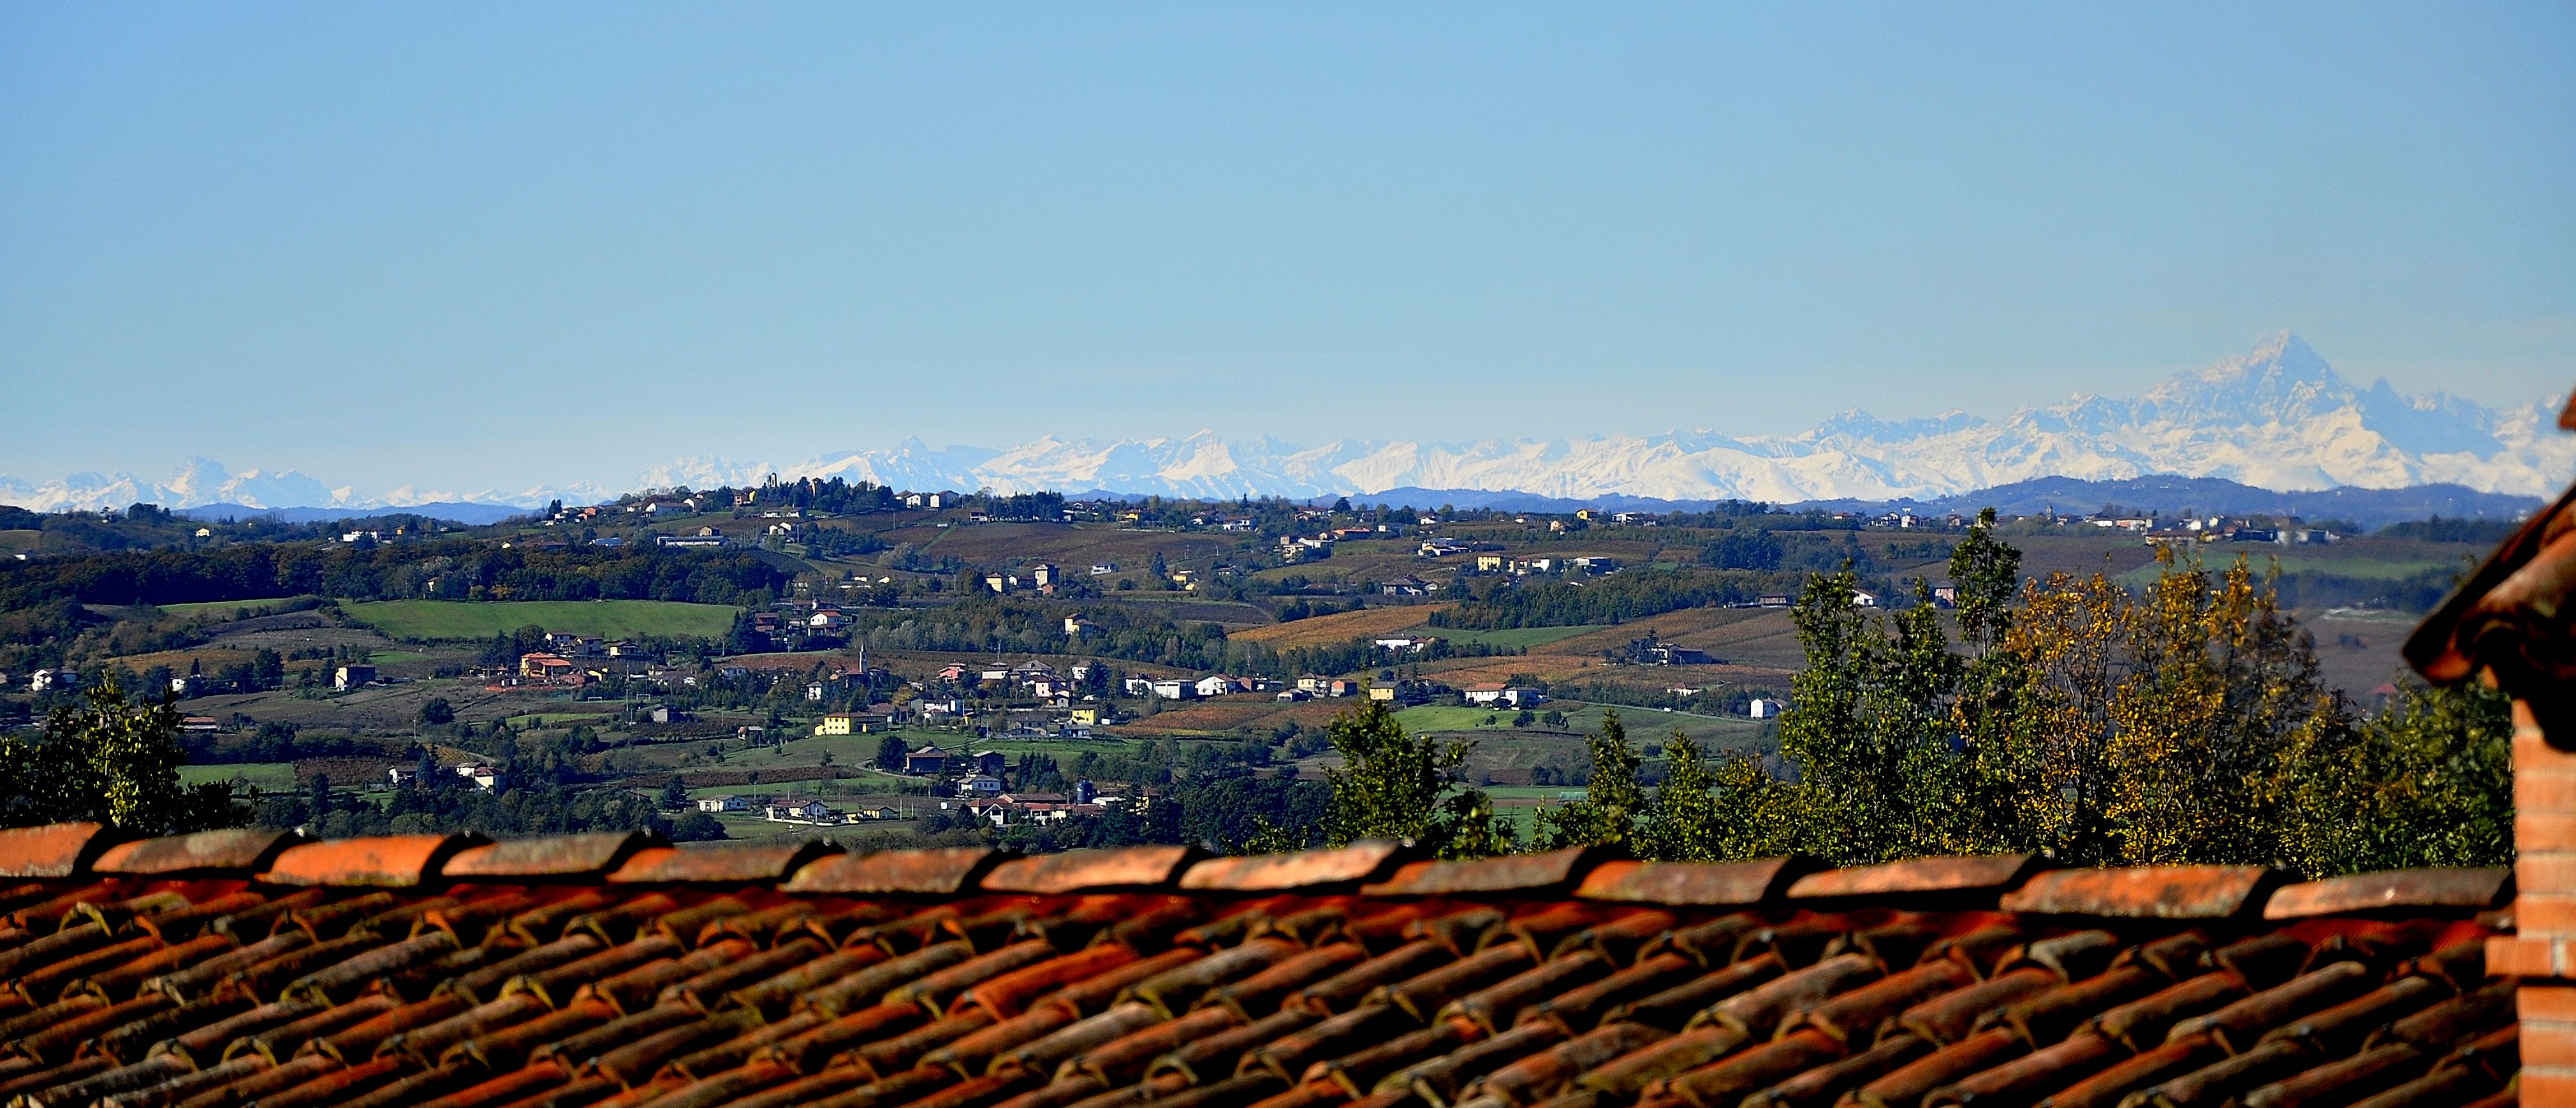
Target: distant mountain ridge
[{"x": 2276, "y": 418}]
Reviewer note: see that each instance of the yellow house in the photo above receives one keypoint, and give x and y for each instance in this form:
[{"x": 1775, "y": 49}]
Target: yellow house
[
  {"x": 842, "y": 723},
  {"x": 1087, "y": 715},
  {"x": 1382, "y": 692},
  {"x": 1492, "y": 563}
]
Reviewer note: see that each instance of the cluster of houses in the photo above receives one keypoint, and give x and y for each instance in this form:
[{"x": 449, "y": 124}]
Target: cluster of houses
[
  {"x": 1503, "y": 696},
  {"x": 1294, "y": 548},
  {"x": 1002, "y": 809},
  {"x": 788, "y": 809}
]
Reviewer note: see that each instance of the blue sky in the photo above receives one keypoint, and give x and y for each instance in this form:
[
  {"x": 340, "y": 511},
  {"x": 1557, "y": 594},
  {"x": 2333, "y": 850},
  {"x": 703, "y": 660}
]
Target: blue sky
[{"x": 505, "y": 244}]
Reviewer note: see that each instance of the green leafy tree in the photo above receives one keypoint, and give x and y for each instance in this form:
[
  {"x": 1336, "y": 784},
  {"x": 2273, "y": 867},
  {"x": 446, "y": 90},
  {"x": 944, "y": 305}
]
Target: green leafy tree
[
  {"x": 1398, "y": 786},
  {"x": 111, "y": 761},
  {"x": 268, "y": 668},
  {"x": 1612, "y": 804},
  {"x": 890, "y": 753},
  {"x": 437, "y": 712},
  {"x": 2429, "y": 782}
]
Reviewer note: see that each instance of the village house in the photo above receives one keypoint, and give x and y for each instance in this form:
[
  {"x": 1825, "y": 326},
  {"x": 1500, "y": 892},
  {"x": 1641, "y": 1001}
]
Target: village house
[
  {"x": 850, "y": 723},
  {"x": 1511, "y": 696},
  {"x": 1215, "y": 686},
  {"x": 547, "y": 667},
  {"x": 723, "y": 804},
  {"x": 1173, "y": 688},
  {"x": 1666, "y": 654},
  {"x": 811, "y": 811},
  {"x": 353, "y": 675}
]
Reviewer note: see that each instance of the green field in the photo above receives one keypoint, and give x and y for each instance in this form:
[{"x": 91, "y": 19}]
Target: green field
[
  {"x": 1520, "y": 637},
  {"x": 614, "y": 619},
  {"x": 270, "y": 776},
  {"x": 228, "y": 607}
]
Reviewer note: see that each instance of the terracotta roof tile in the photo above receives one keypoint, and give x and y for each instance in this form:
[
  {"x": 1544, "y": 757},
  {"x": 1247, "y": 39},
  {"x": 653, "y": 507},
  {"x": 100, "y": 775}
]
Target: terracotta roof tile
[
  {"x": 548, "y": 856},
  {"x": 2411, "y": 890},
  {"x": 718, "y": 864},
  {"x": 52, "y": 851},
  {"x": 2159, "y": 892},
  {"x": 1920, "y": 877},
  {"x": 1555, "y": 870},
  {"x": 944, "y": 872},
  {"x": 1359, "y": 862},
  {"x": 241, "y": 851},
  {"x": 391, "y": 860},
  {"x": 1133, "y": 867},
  {"x": 1698, "y": 884},
  {"x": 1097, "y": 979}
]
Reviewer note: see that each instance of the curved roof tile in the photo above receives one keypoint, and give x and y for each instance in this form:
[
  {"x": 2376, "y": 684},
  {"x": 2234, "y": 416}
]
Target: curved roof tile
[
  {"x": 390, "y": 860},
  {"x": 1128, "y": 867},
  {"x": 243, "y": 850},
  {"x": 712, "y": 863},
  {"x": 1695, "y": 883},
  {"x": 2393, "y": 890},
  {"x": 1510, "y": 873},
  {"x": 2159, "y": 892},
  {"x": 54, "y": 850},
  {"x": 942, "y": 872},
  {"x": 1305, "y": 869},
  {"x": 897, "y": 980},
  {"x": 548, "y": 856}
]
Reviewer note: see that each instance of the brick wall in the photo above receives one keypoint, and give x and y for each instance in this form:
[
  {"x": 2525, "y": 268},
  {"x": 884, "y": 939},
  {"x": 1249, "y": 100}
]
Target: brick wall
[{"x": 2543, "y": 951}]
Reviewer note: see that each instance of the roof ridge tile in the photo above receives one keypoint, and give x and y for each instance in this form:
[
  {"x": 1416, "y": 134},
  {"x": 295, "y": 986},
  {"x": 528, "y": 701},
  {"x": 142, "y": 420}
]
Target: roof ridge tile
[
  {"x": 2156, "y": 892},
  {"x": 388, "y": 860},
  {"x": 940, "y": 871},
  {"x": 54, "y": 850},
  {"x": 1125, "y": 867},
  {"x": 1527, "y": 874}
]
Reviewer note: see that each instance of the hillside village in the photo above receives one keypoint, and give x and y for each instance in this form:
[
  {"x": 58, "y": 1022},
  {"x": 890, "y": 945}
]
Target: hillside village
[{"x": 810, "y": 655}]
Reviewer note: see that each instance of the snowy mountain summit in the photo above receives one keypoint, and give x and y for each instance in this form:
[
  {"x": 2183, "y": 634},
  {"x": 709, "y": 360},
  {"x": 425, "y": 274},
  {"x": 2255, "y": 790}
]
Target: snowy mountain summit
[{"x": 2277, "y": 418}]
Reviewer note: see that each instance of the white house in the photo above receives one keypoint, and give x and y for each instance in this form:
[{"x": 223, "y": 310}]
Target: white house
[
  {"x": 980, "y": 785},
  {"x": 1490, "y": 695},
  {"x": 1173, "y": 688},
  {"x": 723, "y": 804},
  {"x": 1215, "y": 686},
  {"x": 1760, "y": 708},
  {"x": 1864, "y": 600},
  {"x": 52, "y": 680}
]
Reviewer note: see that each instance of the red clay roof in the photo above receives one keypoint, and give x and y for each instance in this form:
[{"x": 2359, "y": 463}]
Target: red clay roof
[{"x": 430, "y": 971}]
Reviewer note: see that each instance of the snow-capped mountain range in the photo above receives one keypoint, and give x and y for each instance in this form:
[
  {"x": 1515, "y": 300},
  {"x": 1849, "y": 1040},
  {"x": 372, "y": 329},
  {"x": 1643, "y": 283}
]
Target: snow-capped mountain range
[{"x": 2278, "y": 418}]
